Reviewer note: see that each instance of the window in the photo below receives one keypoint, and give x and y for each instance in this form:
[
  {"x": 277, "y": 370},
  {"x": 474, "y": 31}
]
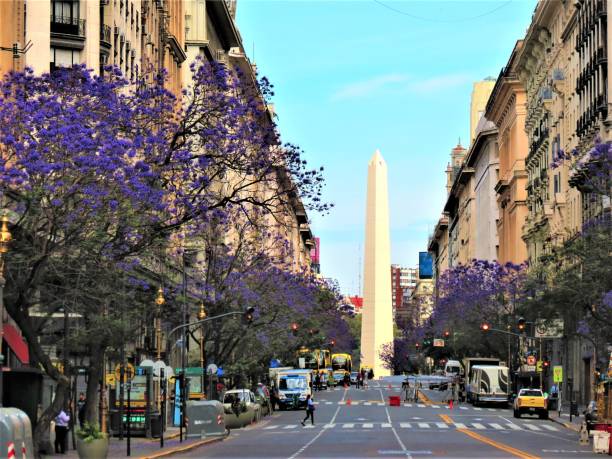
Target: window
[
  {"x": 64, "y": 10},
  {"x": 63, "y": 57}
]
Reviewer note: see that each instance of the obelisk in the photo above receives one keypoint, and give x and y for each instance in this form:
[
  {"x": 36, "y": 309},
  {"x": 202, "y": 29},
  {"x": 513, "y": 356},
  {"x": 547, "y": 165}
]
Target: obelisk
[{"x": 377, "y": 314}]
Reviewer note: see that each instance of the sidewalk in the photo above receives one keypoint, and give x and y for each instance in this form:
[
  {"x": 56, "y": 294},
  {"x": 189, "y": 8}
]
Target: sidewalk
[
  {"x": 145, "y": 447},
  {"x": 564, "y": 420}
]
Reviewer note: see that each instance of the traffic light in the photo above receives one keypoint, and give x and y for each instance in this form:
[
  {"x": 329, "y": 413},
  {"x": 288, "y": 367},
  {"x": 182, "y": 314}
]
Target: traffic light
[
  {"x": 521, "y": 323},
  {"x": 294, "y": 328},
  {"x": 446, "y": 334},
  {"x": 485, "y": 326},
  {"x": 545, "y": 365},
  {"x": 248, "y": 315},
  {"x": 332, "y": 343},
  {"x": 417, "y": 345}
]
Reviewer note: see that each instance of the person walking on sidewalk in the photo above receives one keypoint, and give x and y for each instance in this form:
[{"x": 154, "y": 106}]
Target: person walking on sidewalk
[
  {"x": 309, "y": 410},
  {"x": 62, "y": 421}
]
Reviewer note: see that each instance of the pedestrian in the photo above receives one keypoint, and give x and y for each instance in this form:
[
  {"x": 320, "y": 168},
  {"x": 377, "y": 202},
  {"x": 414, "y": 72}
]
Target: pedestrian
[
  {"x": 274, "y": 397},
  {"x": 309, "y": 410},
  {"x": 359, "y": 380},
  {"x": 365, "y": 378},
  {"x": 81, "y": 402},
  {"x": 318, "y": 382},
  {"x": 62, "y": 420},
  {"x": 371, "y": 374},
  {"x": 347, "y": 380}
]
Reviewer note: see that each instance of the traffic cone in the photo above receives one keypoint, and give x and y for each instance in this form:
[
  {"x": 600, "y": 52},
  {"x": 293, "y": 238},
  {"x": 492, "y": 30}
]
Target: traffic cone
[
  {"x": 450, "y": 403},
  {"x": 348, "y": 401}
]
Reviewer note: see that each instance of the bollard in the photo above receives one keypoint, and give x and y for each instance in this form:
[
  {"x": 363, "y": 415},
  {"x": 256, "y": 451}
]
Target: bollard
[{"x": 584, "y": 435}]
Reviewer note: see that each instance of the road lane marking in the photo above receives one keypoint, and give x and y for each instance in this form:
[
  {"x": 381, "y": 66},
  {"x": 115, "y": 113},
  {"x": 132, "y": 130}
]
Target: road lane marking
[
  {"x": 317, "y": 436},
  {"x": 405, "y": 425},
  {"x": 328, "y": 403},
  {"x": 463, "y": 407},
  {"x": 367, "y": 403},
  {"x": 409, "y": 405},
  {"x": 290, "y": 426},
  {"x": 477, "y": 408},
  {"x": 435, "y": 406},
  {"x": 397, "y": 437},
  {"x": 329, "y": 426},
  {"x": 309, "y": 426},
  {"x": 478, "y": 426},
  {"x": 341, "y": 403},
  {"x": 421, "y": 406},
  {"x": 270, "y": 427},
  {"x": 368, "y": 425},
  {"x": 496, "y": 426},
  {"x": 423, "y": 425},
  {"x": 460, "y": 425},
  {"x": 385, "y": 425},
  {"x": 547, "y": 427},
  {"x": 513, "y": 426},
  {"x": 532, "y": 427},
  {"x": 498, "y": 445},
  {"x": 442, "y": 425},
  {"x": 348, "y": 426}
]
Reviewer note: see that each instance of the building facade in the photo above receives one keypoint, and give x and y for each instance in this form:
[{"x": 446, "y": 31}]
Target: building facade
[
  {"x": 506, "y": 109},
  {"x": 478, "y": 103}
]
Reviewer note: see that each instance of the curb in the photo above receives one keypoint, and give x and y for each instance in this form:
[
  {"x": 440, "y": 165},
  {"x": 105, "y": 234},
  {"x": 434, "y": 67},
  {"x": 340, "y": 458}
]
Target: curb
[
  {"x": 181, "y": 449},
  {"x": 166, "y": 437},
  {"x": 567, "y": 425}
]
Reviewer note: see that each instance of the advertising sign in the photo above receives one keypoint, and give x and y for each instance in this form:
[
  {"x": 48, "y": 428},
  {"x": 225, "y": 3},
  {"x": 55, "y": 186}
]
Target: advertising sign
[
  {"x": 531, "y": 360},
  {"x": 557, "y": 373},
  {"x": 438, "y": 342},
  {"x": 425, "y": 265}
]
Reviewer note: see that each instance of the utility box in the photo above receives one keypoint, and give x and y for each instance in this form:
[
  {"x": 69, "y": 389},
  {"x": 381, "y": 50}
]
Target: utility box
[
  {"x": 15, "y": 434},
  {"x": 205, "y": 418}
]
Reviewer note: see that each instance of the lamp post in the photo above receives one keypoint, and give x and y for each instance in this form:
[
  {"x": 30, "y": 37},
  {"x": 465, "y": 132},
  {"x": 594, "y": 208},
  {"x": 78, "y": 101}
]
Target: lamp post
[
  {"x": 159, "y": 301},
  {"x": 5, "y": 238},
  {"x": 202, "y": 316}
]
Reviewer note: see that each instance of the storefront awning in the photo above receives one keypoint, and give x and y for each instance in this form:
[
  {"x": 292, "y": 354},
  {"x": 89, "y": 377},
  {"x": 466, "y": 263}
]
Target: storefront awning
[{"x": 16, "y": 343}]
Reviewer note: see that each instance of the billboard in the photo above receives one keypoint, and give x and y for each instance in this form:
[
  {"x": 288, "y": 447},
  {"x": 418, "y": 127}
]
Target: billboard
[{"x": 425, "y": 265}]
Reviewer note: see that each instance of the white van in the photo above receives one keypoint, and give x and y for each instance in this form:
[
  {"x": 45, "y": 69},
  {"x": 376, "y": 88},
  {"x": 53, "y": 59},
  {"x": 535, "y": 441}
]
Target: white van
[
  {"x": 452, "y": 368},
  {"x": 489, "y": 383}
]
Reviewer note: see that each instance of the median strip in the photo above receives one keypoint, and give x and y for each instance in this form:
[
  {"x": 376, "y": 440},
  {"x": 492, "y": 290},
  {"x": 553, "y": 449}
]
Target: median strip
[{"x": 488, "y": 441}]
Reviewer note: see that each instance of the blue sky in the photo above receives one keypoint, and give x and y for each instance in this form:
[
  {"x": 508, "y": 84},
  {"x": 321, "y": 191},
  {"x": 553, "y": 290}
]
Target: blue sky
[{"x": 354, "y": 76}]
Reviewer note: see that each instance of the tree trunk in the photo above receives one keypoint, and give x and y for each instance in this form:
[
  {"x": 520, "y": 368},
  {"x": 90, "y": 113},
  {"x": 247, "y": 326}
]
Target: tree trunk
[
  {"x": 42, "y": 426},
  {"x": 95, "y": 373}
]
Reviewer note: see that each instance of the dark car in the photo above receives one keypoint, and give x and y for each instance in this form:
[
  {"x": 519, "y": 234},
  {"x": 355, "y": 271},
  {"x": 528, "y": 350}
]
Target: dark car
[{"x": 590, "y": 415}]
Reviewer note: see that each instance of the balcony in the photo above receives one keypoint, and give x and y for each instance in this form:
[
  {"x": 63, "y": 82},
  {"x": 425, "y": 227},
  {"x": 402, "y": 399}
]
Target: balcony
[
  {"x": 68, "y": 26},
  {"x": 105, "y": 37}
]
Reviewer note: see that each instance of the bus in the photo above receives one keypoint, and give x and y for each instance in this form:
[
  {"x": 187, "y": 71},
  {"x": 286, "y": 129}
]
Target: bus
[
  {"x": 342, "y": 362},
  {"x": 316, "y": 359}
]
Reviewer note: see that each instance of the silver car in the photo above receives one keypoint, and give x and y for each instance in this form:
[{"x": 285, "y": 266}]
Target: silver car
[{"x": 240, "y": 408}]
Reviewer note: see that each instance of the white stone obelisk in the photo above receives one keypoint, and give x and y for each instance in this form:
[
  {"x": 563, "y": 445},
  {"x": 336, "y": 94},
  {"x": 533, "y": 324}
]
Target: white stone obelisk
[{"x": 377, "y": 314}]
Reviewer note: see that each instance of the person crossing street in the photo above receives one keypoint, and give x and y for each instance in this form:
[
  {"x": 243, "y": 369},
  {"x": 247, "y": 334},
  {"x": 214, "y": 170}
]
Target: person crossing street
[{"x": 309, "y": 410}]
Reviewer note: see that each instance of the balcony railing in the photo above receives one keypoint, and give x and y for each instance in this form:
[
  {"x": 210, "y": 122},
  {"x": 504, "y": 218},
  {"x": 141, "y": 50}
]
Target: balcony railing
[
  {"x": 68, "y": 25},
  {"x": 105, "y": 34}
]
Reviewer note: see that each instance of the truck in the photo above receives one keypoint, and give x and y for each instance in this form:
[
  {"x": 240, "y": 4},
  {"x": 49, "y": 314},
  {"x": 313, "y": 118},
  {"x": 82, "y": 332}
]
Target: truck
[
  {"x": 488, "y": 384},
  {"x": 294, "y": 385},
  {"x": 468, "y": 363}
]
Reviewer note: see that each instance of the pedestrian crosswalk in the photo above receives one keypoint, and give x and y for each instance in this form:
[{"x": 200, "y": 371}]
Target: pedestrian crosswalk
[
  {"x": 421, "y": 425},
  {"x": 350, "y": 402}
]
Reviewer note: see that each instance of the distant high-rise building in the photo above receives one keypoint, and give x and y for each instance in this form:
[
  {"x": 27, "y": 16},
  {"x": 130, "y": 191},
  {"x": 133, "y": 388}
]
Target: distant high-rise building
[
  {"x": 480, "y": 96},
  {"x": 315, "y": 254},
  {"x": 403, "y": 281}
]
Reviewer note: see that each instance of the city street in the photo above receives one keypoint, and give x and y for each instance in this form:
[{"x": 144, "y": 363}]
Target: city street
[{"x": 357, "y": 423}]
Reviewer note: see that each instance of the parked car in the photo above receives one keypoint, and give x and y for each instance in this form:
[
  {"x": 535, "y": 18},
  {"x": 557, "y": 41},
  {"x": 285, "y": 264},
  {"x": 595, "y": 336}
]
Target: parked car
[
  {"x": 590, "y": 415},
  {"x": 262, "y": 396},
  {"x": 531, "y": 401},
  {"x": 241, "y": 408}
]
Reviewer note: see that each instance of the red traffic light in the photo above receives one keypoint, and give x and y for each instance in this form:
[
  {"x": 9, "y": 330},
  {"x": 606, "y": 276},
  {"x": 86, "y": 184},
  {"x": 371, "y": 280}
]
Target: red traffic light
[
  {"x": 417, "y": 345},
  {"x": 521, "y": 323},
  {"x": 294, "y": 326},
  {"x": 446, "y": 334},
  {"x": 485, "y": 326},
  {"x": 332, "y": 342}
]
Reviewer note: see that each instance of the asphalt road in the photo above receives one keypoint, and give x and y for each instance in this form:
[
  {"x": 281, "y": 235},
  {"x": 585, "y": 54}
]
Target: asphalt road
[{"x": 360, "y": 424}]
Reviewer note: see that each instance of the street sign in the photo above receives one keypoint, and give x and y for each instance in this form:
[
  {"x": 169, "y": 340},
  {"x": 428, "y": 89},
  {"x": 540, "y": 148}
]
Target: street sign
[
  {"x": 531, "y": 360},
  {"x": 552, "y": 328},
  {"x": 438, "y": 342},
  {"x": 211, "y": 369},
  {"x": 128, "y": 371},
  {"x": 557, "y": 373},
  {"x": 539, "y": 366}
]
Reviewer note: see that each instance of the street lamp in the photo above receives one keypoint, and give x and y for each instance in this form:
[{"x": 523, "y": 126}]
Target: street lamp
[
  {"x": 202, "y": 316},
  {"x": 5, "y": 239},
  {"x": 485, "y": 326},
  {"x": 159, "y": 301}
]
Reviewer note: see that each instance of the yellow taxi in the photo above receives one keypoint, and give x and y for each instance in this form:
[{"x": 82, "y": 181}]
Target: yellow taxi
[{"x": 531, "y": 401}]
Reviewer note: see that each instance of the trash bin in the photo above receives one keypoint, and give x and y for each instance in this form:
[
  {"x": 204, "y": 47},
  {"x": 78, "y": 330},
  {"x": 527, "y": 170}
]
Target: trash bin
[
  {"x": 574, "y": 408},
  {"x": 394, "y": 400},
  {"x": 156, "y": 425},
  {"x": 15, "y": 433},
  {"x": 610, "y": 441},
  {"x": 206, "y": 419},
  {"x": 553, "y": 403}
]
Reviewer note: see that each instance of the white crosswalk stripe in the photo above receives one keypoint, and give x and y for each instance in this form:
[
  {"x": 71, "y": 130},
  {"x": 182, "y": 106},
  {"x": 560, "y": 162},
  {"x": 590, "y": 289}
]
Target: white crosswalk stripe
[
  {"x": 341, "y": 403},
  {"x": 309, "y": 426},
  {"x": 409, "y": 405},
  {"x": 348, "y": 426},
  {"x": 491, "y": 409},
  {"x": 328, "y": 403},
  {"x": 478, "y": 426},
  {"x": 290, "y": 426},
  {"x": 367, "y": 403},
  {"x": 385, "y": 425},
  {"x": 423, "y": 425},
  {"x": 477, "y": 409},
  {"x": 368, "y": 426},
  {"x": 405, "y": 425},
  {"x": 442, "y": 425},
  {"x": 513, "y": 426},
  {"x": 496, "y": 426},
  {"x": 547, "y": 427},
  {"x": 532, "y": 427},
  {"x": 463, "y": 407},
  {"x": 421, "y": 406},
  {"x": 329, "y": 426},
  {"x": 435, "y": 406},
  {"x": 460, "y": 425},
  {"x": 270, "y": 427}
]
